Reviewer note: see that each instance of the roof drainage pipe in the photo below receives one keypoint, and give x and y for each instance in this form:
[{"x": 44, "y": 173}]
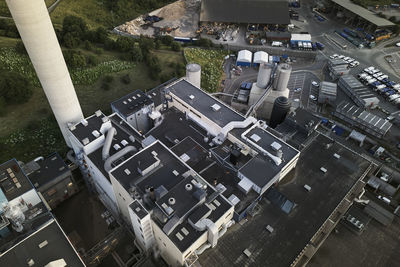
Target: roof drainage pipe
[
  {"x": 116, "y": 156},
  {"x": 212, "y": 229},
  {"x": 107, "y": 143}
]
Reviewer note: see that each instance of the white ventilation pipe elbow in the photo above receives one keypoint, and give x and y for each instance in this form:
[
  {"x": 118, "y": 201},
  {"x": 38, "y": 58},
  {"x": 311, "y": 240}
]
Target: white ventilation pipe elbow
[
  {"x": 107, "y": 143},
  {"x": 116, "y": 156}
]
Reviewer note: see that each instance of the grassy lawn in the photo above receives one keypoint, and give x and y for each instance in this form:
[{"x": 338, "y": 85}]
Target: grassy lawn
[
  {"x": 5, "y": 12},
  {"x": 25, "y": 129},
  {"x": 211, "y": 61}
]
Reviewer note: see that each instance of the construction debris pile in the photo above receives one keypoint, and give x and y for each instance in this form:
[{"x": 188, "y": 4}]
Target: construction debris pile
[
  {"x": 222, "y": 31},
  {"x": 178, "y": 19}
]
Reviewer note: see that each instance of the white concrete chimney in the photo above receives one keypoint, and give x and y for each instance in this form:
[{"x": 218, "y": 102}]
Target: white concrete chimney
[{"x": 34, "y": 25}]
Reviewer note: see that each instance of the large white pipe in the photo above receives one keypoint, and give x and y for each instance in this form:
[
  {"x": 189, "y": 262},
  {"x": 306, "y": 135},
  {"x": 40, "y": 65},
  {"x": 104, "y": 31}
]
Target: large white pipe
[{"x": 37, "y": 33}]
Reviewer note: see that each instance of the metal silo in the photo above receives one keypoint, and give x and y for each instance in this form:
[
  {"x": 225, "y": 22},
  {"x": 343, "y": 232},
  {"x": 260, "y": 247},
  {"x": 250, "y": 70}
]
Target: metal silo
[
  {"x": 279, "y": 110},
  {"x": 193, "y": 74},
  {"x": 282, "y": 77},
  {"x": 264, "y": 75}
]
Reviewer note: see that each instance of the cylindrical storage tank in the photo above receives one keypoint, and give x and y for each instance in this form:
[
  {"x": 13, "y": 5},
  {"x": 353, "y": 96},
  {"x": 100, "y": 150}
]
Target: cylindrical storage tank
[
  {"x": 282, "y": 77},
  {"x": 37, "y": 33},
  {"x": 193, "y": 74},
  {"x": 279, "y": 111},
  {"x": 264, "y": 75}
]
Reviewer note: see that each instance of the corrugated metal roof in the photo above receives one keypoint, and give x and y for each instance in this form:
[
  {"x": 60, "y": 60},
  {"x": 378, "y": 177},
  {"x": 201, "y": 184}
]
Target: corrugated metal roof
[
  {"x": 245, "y": 11},
  {"x": 364, "y": 13}
]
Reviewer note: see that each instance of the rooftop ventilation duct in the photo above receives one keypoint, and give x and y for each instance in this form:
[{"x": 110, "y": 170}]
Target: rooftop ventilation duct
[
  {"x": 118, "y": 155},
  {"x": 107, "y": 143}
]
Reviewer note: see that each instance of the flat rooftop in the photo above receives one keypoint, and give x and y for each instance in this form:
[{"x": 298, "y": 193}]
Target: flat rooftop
[
  {"x": 245, "y": 11},
  {"x": 13, "y": 182},
  {"x": 131, "y": 103},
  {"x": 51, "y": 167},
  {"x": 175, "y": 128},
  {"x": 363, "y": 13},
  {"x": 124, "y": 131},
  {"x": 261, "y": 169},
  {"x": 202, "y": 102},
  {"x": 167, "y": 173},
  {"x": 45, "y": 245},
  {"x": 86, "y": 127},
  {"x": 293, "y": 231}
]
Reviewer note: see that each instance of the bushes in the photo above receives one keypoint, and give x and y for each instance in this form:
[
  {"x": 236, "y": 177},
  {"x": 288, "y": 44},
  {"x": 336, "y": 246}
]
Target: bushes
[
  {"x": 126, "y": 79},
  {"x": 20, "y": 48},
  {"x": 15, "y": 88},
  {"x": 175, "y": 46},
  {"x": 74, "y": 59}
]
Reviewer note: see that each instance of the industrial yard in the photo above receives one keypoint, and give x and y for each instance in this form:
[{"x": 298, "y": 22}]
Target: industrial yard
[{"x": 222, "y": 133}]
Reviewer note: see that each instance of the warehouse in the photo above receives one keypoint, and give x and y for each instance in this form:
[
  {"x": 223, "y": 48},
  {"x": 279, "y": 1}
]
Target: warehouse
[
  {"x": 260, "y": 57},
  {"x": 245, "y": 11},
  {"x": 358, "y": 16},
  {"x": 363, "y": 97},
  {"x": 327, "y": 93},
  {"x": 362, "y": 119},
  {"x": 337, "y": 68}
]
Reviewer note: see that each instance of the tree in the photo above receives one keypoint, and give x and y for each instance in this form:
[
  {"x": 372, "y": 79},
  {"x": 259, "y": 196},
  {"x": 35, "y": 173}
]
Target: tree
[
  {"x": 146, "y": 44},
  {"x": 20, "y": 48},
  {"x": 175, "y": 46},
  {"x": 124, "y": 44},
  {"x": 74, "y": 59},
  {"x": 167, "y": 40},
  {"x": 15, "y": 88},
  {"x": 136, "y": 55},
  {"x": 70, "y": 41},
  {"x": 88, "y": 45}
]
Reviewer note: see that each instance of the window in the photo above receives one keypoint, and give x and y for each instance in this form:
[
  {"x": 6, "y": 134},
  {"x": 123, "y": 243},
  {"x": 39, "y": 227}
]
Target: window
[
  {"x": 142, "y": 236},
  {"x": 138, "y": 221},
  {"x": 228, "y": 215},
  {"x": 164, "y": 244},
  {"x": 123, "y": 198}
]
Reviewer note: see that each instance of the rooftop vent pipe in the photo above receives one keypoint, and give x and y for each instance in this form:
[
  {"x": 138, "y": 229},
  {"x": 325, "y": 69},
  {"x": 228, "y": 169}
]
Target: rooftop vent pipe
[
  {"x": 107, "y": 143},
  {"x": 116, "y": 156}
]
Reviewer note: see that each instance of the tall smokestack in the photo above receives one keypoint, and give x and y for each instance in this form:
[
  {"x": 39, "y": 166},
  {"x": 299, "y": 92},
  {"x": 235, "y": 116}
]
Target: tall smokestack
[{"x": 37, "y": 33}]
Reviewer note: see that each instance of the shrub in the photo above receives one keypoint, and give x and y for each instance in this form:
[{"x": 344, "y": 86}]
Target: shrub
[
  {"x": 175, "y": 46},
  {"x": 20, "y": 48},
  {"x": 125, "y": 79},
  {"x": 15, "y": 88},
  {"x": 108, "y": 79}
]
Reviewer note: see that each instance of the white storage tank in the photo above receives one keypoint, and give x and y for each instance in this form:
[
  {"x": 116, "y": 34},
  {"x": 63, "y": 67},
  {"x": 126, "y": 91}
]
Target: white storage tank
[
  {"x": 264, "y": 75},
  {"x": 282, "y": 77},
  {"x": 193, "y": 74}
]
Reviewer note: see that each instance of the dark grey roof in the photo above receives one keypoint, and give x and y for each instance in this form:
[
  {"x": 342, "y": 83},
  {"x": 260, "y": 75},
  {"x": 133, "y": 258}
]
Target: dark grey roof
[
  {"x": 261, "y": 169},
  {"x": 364, "y": 13},
  {"x": 57, "y": 247},
  {"x": 139, "y": 210},
  {"x": 131, "y": 103},
  {"x": 292, "y": 232},
  {"x": 94, "y": 122},
  {"x": 202, "y": 102},
  {"x": 245, "y": 11},
  {"x": 161, "y": 175},
  {"x": 13, "y": 181},
  {"x": 51, "y": 168},
  {"x": 124, "y": 130},
  {"x": 157, "y": 94}
]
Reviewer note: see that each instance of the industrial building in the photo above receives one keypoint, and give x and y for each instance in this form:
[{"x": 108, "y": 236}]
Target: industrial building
[
  {"x": 29, "y": 235},
  {"x": 358, "y": 16},
  {"x": 162, "y": 195},
  {"x": 245, "y": 11},
  {"x": 134, "y": 109},
  {"x": 362, "y": 119},
  {"x": 362, "y": 96},
  {"x": 52, "y": 179},
  {"x": 337, "y": 68},
  {"x": 327, "y": 93}
]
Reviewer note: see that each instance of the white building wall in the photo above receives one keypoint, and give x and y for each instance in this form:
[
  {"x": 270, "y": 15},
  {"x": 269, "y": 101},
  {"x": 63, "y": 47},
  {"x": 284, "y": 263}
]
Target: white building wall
[
  {"x": 143, "y": 229},
  {"x": 30, "y": 197},
  {"x": 101, "y": 181},
  {"x": 123, "y": 198}
]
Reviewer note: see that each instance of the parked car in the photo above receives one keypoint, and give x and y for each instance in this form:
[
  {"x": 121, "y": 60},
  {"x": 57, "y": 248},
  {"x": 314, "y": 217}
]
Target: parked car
[
  {"x": 314, "y": 83},
  {"x": 296, "y": 90},
  {"x": 313, "y": 97}
]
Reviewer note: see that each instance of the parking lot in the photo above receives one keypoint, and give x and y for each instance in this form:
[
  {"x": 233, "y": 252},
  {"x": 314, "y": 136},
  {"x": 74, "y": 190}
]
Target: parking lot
[
  {"x": 394, "y": 61},
  {"x": 303, "y": 80}
]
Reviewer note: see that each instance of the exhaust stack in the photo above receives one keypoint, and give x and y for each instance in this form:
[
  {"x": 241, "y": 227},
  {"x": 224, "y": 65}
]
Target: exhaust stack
[{"x": 37, "y": 33}]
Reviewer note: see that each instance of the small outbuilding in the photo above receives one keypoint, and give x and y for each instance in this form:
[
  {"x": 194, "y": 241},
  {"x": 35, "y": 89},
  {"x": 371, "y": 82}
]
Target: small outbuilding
[
  {"x": 244, "y": 58},
  {"x": 260, "y": 57}
]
